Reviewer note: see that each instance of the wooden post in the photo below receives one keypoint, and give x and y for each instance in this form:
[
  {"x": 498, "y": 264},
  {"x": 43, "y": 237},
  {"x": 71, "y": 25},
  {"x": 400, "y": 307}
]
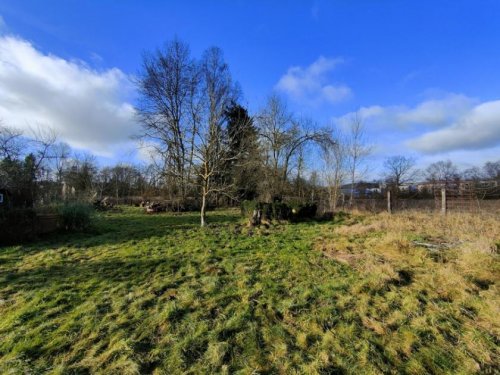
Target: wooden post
[
  {"x": 443, "y": 201},
  {"x": 389, "y": 202}
]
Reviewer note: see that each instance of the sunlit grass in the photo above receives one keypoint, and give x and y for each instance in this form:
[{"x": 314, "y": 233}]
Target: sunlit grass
[{"x": 158, "y": 294}]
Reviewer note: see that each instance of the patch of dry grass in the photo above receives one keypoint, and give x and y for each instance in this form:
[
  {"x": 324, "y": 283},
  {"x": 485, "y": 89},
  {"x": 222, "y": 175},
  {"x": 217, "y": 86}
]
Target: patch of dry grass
[{"x": 426, "y": 278}]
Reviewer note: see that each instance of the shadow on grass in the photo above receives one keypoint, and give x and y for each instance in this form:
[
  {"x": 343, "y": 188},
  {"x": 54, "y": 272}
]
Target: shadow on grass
[
  {"x": 110, "y": 230},
  {"x": 73, "y": 274},
  {"x": 117, "y": 228}
]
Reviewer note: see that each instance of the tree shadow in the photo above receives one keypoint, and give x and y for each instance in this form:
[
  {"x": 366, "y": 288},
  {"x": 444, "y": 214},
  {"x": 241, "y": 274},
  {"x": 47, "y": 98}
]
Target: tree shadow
[
  {"x": 118, "y": 228},
  {"x": 74, "y": 273}
]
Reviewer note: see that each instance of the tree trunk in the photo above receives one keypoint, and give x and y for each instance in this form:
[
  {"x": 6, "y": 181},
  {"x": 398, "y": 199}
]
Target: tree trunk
[
  {"x": 203, "y": 206},
  {"x": 335, "y": 198},
  {"x": 351, "y": 199},
  {"x": 256, "y": 217}
]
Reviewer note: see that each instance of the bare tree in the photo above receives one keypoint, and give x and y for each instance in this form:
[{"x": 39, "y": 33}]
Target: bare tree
[
  {"x": 399, "y": 169},
  {"x": 282, "y": 136},
  {"x": 42, "y": 142},
  {"x": 442, "y": 173},
  {"x": 358, "y": 150},
  {"x": 80, "y": 176},
  {"x": 211, "y": 150},
  {"x": 167, "y": 83},
  {"x": 335, "y": 170},
  {"x": 474, "y": 174},
  {"x": 60, "y": 153},
  {"x": 10, "y": 142},
  {"x": 492, "y": 170}
]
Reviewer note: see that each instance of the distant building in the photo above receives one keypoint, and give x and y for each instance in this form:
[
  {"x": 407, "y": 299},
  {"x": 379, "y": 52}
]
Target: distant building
[{"x": 362, "y": 189}]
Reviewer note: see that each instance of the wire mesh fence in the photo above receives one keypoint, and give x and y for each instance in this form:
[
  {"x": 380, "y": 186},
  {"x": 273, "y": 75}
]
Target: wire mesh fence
[{"x": 471, "y": 198}]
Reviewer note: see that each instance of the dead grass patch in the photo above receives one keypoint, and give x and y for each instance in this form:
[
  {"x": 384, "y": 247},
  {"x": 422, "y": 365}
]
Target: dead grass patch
[{"x": 426, "y": 281}]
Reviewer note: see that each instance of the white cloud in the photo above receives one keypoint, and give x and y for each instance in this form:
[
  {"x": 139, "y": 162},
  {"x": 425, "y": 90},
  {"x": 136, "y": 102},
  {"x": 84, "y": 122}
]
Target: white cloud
[
  {"x": 437, "y": 113},
  {"x": 477, "y": 129},
  {"x": 87, "y": 108},
  {"x": 365, "y": 113},
  {"x": 311, "y": 84},
  {"x": 147, "y": 152},
  {"x": 454, "y": 123},
  {"x": 434, "y": 113}
]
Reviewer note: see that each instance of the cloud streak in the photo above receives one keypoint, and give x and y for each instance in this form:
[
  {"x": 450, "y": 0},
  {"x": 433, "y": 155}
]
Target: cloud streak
[
  {"x": 87, "y": 108},
  {"x": 311, "y": 84},
  {"x": 452, "y": 123},
  {"x": 477, "y": 129}
]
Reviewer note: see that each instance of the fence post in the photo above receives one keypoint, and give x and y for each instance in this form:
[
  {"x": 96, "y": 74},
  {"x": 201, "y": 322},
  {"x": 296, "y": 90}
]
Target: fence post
[
  {"x": 443, "y": 201},
  {"x": 389, "y": 202}
]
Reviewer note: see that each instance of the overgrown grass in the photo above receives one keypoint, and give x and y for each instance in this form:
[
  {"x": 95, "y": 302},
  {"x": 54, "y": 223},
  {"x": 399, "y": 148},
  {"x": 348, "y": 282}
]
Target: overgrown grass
[{"x": 158, "y": 294}]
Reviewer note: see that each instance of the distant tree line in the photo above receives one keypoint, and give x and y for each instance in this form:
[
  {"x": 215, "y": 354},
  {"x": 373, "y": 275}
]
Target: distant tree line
[{"x": 207, "y": 150}]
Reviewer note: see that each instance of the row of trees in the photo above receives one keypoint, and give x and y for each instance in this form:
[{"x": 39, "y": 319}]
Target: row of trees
[
  {"x": 206, "y": 148},
  {"x": 400, "y": 170},
  {"x": 38, "y": 169}
]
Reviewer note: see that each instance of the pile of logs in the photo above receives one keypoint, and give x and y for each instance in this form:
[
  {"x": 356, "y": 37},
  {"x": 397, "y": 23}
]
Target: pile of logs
[{"x": 103, "y": 204}]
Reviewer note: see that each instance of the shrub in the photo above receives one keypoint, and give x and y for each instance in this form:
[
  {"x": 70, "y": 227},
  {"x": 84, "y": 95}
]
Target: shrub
[
  {"x": 301, "y": 211},
  {"x": 270, "y": 211},
  {"x": 76, "y": 216},
  {"x": 276, "y": 211},
  {"x": 280, "y": 210},
  {"x": 247, "y": 207}
]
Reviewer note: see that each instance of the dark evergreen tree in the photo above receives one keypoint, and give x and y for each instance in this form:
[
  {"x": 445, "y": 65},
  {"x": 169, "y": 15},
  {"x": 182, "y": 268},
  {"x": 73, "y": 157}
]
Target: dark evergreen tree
[{"x": 244, "y": 170}]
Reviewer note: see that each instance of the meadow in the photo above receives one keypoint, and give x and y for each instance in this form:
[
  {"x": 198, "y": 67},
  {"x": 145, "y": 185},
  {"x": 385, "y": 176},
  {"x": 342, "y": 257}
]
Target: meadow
[{"x": 360, "y": 294}]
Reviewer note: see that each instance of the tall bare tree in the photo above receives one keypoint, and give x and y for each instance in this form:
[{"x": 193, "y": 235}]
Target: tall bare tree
[
  {"x": 358, "y": 150},
  {"x": 492, "y": 170},
  {"x": 282, "y": 136},
  {"x": 167, "y": 83},
  {"x": 335, "y": 170},
  {"x": 212, "y": 150}
]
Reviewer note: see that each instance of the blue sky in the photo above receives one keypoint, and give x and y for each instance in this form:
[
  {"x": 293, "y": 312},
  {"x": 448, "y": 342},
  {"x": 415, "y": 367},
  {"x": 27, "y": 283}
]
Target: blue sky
[{"x": 424, "y": 74}]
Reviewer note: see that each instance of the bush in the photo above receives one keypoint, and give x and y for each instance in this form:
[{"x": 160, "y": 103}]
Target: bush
[
  {"x": 247, "y": 208},
  {"x": 280, "y": 210},
  {"x": 301, "y": 211},
  {"x": 76, "y": 216},
  {"x": 270, "y": 211},
  {"x": 276, "y": 211}
]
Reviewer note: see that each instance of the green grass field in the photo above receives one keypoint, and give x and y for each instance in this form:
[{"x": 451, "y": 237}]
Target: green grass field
[{"x": 157, "y": 294}]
